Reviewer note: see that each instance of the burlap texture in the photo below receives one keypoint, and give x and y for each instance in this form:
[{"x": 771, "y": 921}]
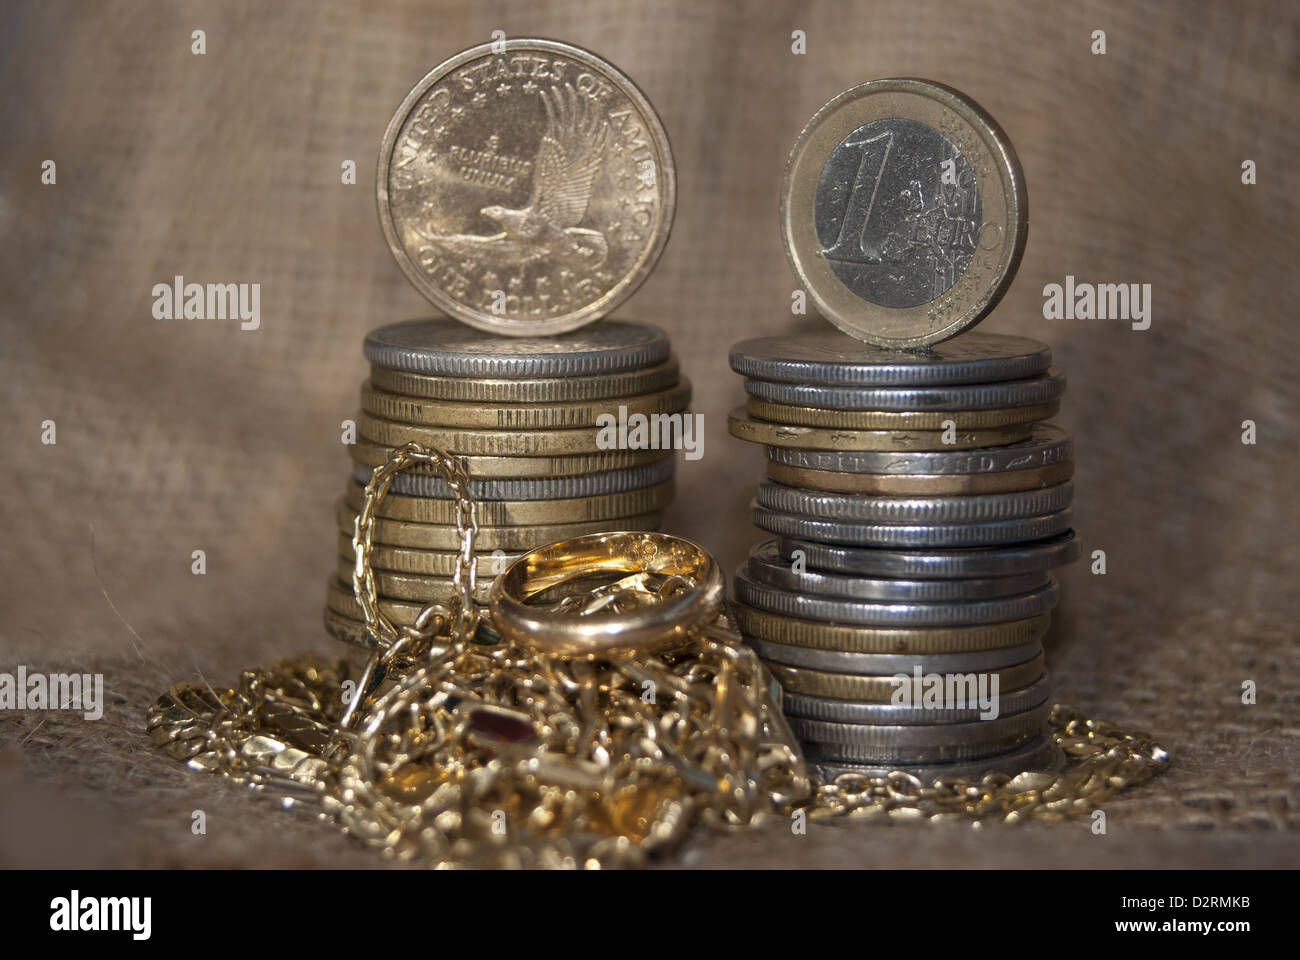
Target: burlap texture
[{"x": 181, "y": 435}]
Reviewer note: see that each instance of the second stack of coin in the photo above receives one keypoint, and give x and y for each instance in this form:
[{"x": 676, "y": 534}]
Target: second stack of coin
[
  {"x": 541, "y": 426},
  {"x": 919, "y": 505}
]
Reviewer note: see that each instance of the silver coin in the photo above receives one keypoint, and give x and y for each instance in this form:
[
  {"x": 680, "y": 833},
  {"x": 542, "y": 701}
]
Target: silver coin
[
  {"x": 909, "y": 536},
  {"x": 1036, "y": 754},
  {"x": 850, "y": 711},
  {"x": 981, "y": 396},
  {"x": 545, "y": 488},
  {"x": 1006, "y": 561},
  {"x": 979, "y": 508},
  {"x": 1046, "y": 445},
  {"x": 763, "y": 596},
  {"x": 450, "y": 349},
  {"x": 830, "y": 358},
  {"x": 891, "y": 664},
  {"x": 767, "y": 565},
  {"x": 947, "y": 743}
]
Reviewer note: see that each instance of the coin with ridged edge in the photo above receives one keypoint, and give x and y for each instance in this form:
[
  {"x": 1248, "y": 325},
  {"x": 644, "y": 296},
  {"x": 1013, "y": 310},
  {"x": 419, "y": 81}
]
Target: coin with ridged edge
[
  {"x": 920, "y": 484},
  {"x": 846, "y": 711},
  {"x": 422, "y": 588},
  {"x": 993, "y": 561},
  {"x": 869, "y": 664},
  {"x": 540, "y": 488},
  {"x": 903, "y": 212},
  {"x": 951, "y": 614},
  {"x": 882, "y": 689},
  {"x": 830, "y": 358},
  {"x": 916, "y": 744},
  {"x": 977, "y": 396},
  {"x": 426, "y": 562},
  {"x": 1036, "y": 754},
  {"x": 744, "y": 427},
  {"x": 910, "y": 536},
  {"x": 1045, "y": 445},
  {"x": 432, "y": 536},
  {"x": 858, "y": 508},
  {"x": 449, "y": 349},
  {"x": 521, "y": 513},
  {"x": 518, "y": 467},
  {"x": 766, "y": 565},
  {"x": 899, "y": 420},
  {"x": 340, "y": 599},
  {"x": 526, "y": 186},
  {"x": 814, "y": 634},
  {"x": 529, "y": 416},
  {"x": 487, "y": 443},
  {"x": 544, "y": 390}
]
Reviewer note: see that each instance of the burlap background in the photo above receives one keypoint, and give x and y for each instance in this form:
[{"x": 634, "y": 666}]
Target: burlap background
[{"x": 177, "y": 435}]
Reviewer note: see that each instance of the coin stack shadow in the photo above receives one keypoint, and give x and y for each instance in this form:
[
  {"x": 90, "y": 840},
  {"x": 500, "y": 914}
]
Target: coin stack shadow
[
  {"x": 521, "y": 415},
  {"x": 919, "y": 506}
]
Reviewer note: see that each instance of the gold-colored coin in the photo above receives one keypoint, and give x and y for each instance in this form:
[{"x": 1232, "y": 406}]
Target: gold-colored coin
[
  {"x": 427, "y": 562},
  {"x": 421, "y": 588},
  {"x": 340, "y": 600},
  {"x": 527, "y": 416},
  {"x": 739, "y": 424},
  {"x": 920, "y": 641},
  {"x": 520, "y": 468},
  {"x": 490, "y": 443},
  {"x": 848, "y": 686},
  {"x": 444, "y": 537},
  {"x": 526, "y": 187},
  {"x": 628, "y": 383},
  {"x": 903, "y": 485},
  {"x": 895, "y": 420},
  {"x": 520, "y": 513}
]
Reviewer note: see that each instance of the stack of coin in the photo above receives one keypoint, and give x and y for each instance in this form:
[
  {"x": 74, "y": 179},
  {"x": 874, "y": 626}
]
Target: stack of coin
[
  {"x": 525, "y": 187},
  {"x": 917, "y": 500},
  {"x": 903, "y": 548},
  {"x": 533, "y": 420}
]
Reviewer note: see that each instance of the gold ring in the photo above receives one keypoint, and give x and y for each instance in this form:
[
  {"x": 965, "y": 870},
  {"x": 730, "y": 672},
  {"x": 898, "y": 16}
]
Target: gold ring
[{"x": 607, "y": 592}]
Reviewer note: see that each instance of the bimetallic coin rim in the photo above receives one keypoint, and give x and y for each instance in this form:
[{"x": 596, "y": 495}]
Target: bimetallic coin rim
[
  {"x": 903, "y": 536},
  {"x": 1046, "y": 444},
  {"x": 665, "y": 181},
  {"x": 1043, "y": 388},
  {"x": 479, "y": 442},
  {"x": 536, "y": 390},
  {"x": 939, "y": 563},
  {"x": 743, "y": 427},
  {"x": 809, "y": 707},
  {"x": 868, "y": 614},
  {"x": 917, "y": 641},
  {"x": 921, "y": 484},
  {"x": 1002, "y": 195}
]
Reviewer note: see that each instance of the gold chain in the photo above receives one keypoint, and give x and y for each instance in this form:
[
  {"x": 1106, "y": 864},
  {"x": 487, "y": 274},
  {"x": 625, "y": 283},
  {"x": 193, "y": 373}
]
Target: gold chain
[{"x": 483, "y": 753}]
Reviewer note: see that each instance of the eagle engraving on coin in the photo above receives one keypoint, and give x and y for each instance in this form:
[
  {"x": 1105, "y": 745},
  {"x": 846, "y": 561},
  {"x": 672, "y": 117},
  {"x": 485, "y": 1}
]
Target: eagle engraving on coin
[
  {"x": 526, "y": 188},
  {"x": 568, "y": 160}
]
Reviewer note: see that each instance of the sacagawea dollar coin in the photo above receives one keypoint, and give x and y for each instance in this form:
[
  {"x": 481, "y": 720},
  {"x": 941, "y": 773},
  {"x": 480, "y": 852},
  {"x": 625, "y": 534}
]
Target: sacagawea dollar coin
[
  {"x": 903, "y": 212},
  {"x": 526, "y": 187}
]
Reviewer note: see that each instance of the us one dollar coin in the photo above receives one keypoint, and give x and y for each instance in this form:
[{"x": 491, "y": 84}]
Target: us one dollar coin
[
  {"x": 526, "y": 187},
  {"x": 903, "y": 212}
]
